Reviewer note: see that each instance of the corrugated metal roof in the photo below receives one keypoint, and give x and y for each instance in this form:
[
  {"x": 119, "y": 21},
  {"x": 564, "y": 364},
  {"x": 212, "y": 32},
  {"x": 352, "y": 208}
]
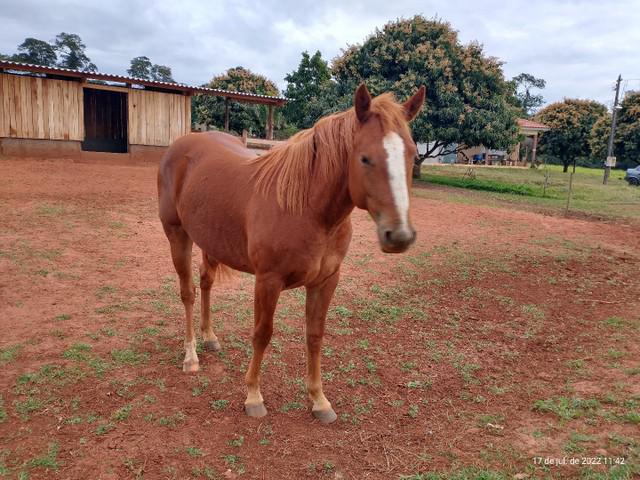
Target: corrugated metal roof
[{"x": 242, "y": 96}]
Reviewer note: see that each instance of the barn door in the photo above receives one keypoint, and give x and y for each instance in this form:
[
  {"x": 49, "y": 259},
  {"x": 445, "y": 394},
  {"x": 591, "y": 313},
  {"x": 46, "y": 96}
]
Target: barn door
[{"x": 105, "y": 121}]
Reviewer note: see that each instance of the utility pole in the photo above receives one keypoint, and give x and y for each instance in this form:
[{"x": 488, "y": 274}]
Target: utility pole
[{"x": 608, "y": 162}]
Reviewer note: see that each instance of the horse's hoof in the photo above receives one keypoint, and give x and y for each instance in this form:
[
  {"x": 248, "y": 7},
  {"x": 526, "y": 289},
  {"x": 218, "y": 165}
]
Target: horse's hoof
[
  {"x": 190, "y": 366},
  {"x": 325, "y": 416},
  {"x": 212, "y": 345},
  {"x": 256, "y": 410}
]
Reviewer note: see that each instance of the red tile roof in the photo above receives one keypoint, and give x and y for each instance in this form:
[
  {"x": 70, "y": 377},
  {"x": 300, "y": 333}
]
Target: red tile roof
[{"x": 525, "y": 123}]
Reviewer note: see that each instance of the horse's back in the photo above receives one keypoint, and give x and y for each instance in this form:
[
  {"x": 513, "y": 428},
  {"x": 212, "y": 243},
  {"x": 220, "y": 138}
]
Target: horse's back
[{"x": 210, "y": 154}]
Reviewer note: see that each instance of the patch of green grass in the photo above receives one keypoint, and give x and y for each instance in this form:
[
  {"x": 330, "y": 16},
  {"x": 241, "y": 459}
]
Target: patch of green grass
[
  {"x": 220, "y": 404},
  {"x": 78, "y": 352},
  {"x": 27, "y": 406},
  {"x": 106, "y": 290},
  {"x": 464, "y": 474},
  {"x": 203, "y": 383},
  {"x": 111, "y": 309},
  {"x": 468, "y": 370},
  {"x": 62, "y": 317},
  {"x": 631, "y": 417},
  {"x": 47, "y": 210},
  {"x": 172, "y": 420},
  {"x": 615, "y": 322},
  {"x": 121, "y": 414},
  {"x": 497, "y": 187},
  {"x": 193, "y": 452},
  {"x": 104, "y": 428},
  {"x": 481, "y": 184},
  {"x": 3, "y": 412},
  {"x": 343, "y": 312},
  {"x": 48, "y": 461},
  {"x": 566, "y": 408},
  {"x": 238, "y": 441},
  {"x": 128, "y": 357},
  {"x": 9, "y": 353},
  {"x": 108, "y": 332},
  {"x": 423, "y": 384}
]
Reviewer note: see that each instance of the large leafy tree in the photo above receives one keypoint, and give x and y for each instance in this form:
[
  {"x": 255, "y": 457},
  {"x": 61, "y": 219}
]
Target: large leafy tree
[
  {"x": 37, "y": 52},
  {"x": 210, "y": 110},
  {"x": 142, "y": 67},
  {"x": 310, "y": 90},
  {"x": 626, "y": 145},
  {"x": 467, "y": 100},
  {"x": 571, "y": 122},
  {"x": 524, "y": 85},
  {"x": 72, "y": 53}
]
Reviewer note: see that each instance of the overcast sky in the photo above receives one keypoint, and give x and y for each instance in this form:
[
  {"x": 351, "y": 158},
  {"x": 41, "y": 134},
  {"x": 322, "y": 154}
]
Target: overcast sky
[{"x": 578, "y": 46}]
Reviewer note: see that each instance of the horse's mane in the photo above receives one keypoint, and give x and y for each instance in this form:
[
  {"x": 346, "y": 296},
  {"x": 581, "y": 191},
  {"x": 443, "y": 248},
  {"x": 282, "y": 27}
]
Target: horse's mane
[{"x": 318, "y": 154}]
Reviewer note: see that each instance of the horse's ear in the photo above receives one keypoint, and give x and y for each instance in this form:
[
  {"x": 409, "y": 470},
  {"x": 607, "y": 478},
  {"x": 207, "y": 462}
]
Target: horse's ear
[
  {"x": 362, "y": 102},
  {"x": 414, "y": 104}
]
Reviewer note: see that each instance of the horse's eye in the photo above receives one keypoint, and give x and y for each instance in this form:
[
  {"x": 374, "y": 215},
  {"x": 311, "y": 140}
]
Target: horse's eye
[{"x": 365, "y": 160}]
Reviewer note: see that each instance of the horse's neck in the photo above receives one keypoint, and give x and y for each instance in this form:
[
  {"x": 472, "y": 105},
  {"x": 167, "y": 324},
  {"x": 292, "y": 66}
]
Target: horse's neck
[{"x": 331, "y": 202}]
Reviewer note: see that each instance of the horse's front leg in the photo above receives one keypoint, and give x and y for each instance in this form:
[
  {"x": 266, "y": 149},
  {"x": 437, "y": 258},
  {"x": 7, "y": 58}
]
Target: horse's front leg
[
  {"x": 267, "y": 291},
  {"x": 318, "y": 299}
]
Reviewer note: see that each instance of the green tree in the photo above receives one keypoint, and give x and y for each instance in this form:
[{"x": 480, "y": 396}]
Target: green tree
[
  {"x": 626, "y": 144},
  {"x": 310, "y": 91},
  {"x": 162, "y": 73},
  {"x": 528, "y": 101},
  {"x": 141, "y": 67},
  {"x": 72, "y": 53},
  {"x": 467, "y": 100},
  {"x": 571, "y": 122},
  {"x": 210, "y": 110},
  {"x": 37, "y": 52}
]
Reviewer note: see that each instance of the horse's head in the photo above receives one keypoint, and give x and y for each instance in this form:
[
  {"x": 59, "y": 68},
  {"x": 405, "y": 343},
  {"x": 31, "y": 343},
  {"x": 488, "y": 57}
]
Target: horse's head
[{"x": 380, "y": 169}]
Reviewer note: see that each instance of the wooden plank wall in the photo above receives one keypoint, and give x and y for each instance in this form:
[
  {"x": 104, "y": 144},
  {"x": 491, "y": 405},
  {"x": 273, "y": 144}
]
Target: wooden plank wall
[
  {"x": 158, "y": 118},
  {"x": 40, "y": 108}
]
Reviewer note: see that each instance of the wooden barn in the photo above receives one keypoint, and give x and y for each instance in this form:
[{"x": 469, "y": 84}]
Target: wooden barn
[{"x": 56, "y": 112}]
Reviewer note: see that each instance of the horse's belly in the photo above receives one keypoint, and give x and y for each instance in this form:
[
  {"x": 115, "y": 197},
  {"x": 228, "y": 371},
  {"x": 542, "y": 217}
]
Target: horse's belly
[{"x": 222, "y": 237}]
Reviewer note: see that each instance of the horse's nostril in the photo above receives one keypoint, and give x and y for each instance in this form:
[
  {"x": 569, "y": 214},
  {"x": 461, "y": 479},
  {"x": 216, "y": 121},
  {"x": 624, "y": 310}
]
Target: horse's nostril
[{"x": 387, "y": 235}]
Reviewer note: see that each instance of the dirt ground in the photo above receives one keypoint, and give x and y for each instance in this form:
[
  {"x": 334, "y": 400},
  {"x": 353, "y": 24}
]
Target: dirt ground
[{"x": 502, "y": 341}]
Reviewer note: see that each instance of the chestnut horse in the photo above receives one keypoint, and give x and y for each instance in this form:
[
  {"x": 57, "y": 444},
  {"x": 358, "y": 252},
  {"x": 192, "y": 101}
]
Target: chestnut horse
[{"x": 285, "y": 217}]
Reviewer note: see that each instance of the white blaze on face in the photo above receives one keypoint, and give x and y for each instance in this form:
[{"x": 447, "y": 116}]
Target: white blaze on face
[{"x": 396, "y": 165}]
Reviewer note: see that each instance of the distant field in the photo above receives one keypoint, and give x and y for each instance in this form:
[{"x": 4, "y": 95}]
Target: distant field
[{"x": 524, "y": 187}]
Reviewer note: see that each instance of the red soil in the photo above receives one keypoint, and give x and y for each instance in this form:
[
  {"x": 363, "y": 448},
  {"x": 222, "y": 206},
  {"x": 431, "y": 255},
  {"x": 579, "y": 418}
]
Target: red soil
[{"x": 436, "y": 358}]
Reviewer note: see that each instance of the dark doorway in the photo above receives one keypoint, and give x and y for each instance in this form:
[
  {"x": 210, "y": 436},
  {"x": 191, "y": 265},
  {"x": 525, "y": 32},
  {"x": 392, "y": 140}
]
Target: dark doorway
[{"x": 105, "y": 121}]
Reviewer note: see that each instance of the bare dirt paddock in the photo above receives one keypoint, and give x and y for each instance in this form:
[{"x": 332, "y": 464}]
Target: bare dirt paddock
[{"x": 503, "y": 338}]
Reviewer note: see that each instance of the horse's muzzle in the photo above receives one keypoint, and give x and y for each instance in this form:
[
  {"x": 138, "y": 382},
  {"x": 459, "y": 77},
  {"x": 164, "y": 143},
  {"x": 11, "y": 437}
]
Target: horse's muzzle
[{"x": 396, "y": 240}]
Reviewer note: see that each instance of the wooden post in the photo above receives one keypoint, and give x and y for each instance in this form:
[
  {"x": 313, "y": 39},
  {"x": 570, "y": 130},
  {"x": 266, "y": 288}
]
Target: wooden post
[
  {"x": 226, "y": 114},
  {"x": 534, "y": 149},
  {"x": 245, "y": 136},
  {"x": 270, "y": 123}
]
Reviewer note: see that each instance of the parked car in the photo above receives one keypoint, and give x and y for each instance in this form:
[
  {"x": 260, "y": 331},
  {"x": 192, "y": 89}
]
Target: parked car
[{"x": 633, "y": 176}]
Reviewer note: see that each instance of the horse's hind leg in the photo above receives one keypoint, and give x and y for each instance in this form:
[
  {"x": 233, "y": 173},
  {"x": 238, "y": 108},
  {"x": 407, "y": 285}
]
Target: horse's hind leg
[
  {"x": 181, "y": 254},
  {"x": 207, "y": 274}
]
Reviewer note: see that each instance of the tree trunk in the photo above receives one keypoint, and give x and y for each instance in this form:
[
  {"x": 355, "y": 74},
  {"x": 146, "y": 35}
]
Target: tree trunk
[
  {"x": 416, "y": 167},
  {"x": 565, "y": 166}
]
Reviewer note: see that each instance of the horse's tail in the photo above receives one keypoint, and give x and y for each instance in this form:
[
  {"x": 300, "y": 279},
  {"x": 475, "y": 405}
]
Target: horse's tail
[{"x": 223, "y": 273}]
